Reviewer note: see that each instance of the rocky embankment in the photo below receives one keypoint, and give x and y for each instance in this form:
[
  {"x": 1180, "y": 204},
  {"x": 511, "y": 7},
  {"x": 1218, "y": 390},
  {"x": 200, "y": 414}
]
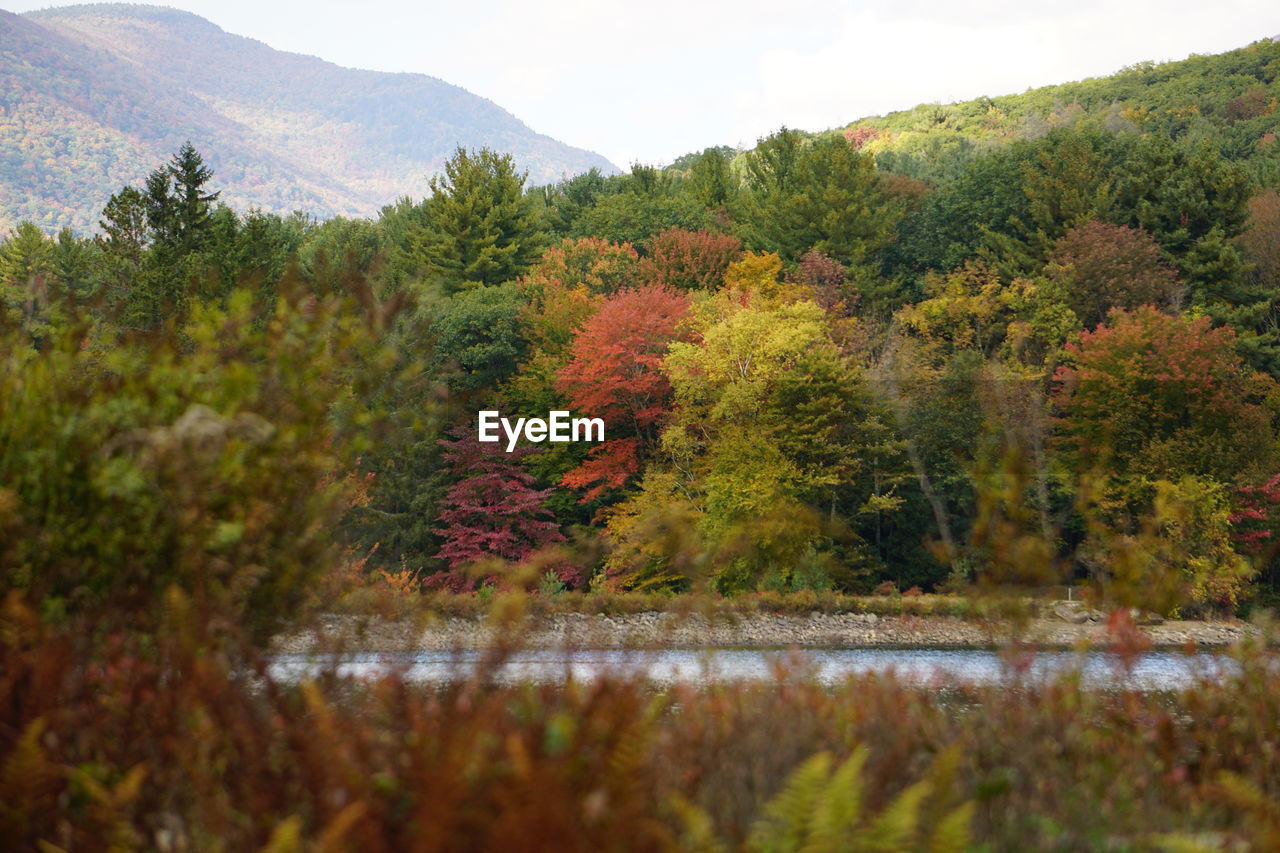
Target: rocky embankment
[{"x": 671, "y": 630}]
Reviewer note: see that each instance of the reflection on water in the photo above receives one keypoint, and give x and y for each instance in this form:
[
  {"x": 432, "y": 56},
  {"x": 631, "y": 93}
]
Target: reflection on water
[{"x": 1152, "y": 671}]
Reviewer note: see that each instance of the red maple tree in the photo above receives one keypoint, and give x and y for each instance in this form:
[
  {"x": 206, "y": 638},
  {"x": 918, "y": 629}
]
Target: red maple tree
[{"x": 615, "y": 373}]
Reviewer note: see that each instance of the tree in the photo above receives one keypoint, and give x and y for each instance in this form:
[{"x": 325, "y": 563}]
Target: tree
[
  {"x": 26, "y": 268},
  {"x": 1156, "y": 397},
  {"x": 1100, "y": 266},
  {"x": 774, "y": 437},
  {"x": 492, "y": 510},
  {"x": 615, "y": 373},
  {"x": 1261, "y": 240},
  {"x": 123, "y": 240},
  {"x": 74, "y": 262},
  {"x": 563, "y": 203},
  {"x": 635, "y": 217},
  {"x": 480, "y": 228},
  {"x": 688, "y": 260},
  {"x": 562, "y": 290},
  {"x": 1193, "y": 203},
  {"x": 828, "y": 280},
  {"x": 479, "y": 336},
  {"x": 155, "y": 242},
  {"x": 826, "y": 197},
  {"x": 771, "y": 165},
  {"x": 178, "y": 207},
  {"x": 191, "y": 205},
  {"x": 711, "y": 180},
  {"x": 1067, "y": 179}
]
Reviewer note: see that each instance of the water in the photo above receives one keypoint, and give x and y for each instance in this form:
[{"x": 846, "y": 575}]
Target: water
[{"x": 1152, "y": 671}]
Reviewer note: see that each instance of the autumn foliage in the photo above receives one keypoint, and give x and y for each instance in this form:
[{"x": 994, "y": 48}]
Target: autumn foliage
[
  {"x": 1103, "y": 266},
  {"x": 615, "y": 373},
  {"x": 492, "y": 510},
  {"x": 688, "y": 260},
  {"x": 1163, "y": 393}
]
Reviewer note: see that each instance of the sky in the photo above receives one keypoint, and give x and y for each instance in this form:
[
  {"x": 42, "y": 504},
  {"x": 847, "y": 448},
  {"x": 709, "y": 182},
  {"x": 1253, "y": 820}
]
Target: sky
[{"x": 647, "y": 82}]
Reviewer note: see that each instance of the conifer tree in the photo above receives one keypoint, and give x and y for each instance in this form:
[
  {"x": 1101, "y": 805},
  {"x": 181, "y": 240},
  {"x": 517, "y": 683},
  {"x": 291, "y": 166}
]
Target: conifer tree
[
  {"x": 191, "y": 205},
  {"x": 480, "y": 228},
  {"x": 825, "y": 196}
]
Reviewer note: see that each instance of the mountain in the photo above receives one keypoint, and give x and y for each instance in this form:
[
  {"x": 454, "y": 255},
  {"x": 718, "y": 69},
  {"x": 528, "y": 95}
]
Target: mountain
[
  {"x": 1229, "y": 100},
  {"x": 93, "y": 97}
]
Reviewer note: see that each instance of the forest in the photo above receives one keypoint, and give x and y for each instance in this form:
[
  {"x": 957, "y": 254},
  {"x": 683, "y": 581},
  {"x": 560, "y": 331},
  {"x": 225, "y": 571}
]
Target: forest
[
  {"x": 1056, "y": 364},
  {"x": 947, "y": 360}
]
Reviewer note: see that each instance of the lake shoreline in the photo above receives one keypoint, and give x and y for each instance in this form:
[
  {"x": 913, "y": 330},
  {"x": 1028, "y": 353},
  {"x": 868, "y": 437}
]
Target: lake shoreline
[{"x": 756, "y": 630}]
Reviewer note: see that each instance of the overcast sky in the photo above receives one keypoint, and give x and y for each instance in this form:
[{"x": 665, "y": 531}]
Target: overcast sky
[{"x": 650, "y": 81}]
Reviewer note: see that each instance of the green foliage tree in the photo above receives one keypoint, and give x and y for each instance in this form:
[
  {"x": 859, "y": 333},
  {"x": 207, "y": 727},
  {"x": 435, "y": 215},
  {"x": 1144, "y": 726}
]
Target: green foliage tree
[
  {"x": 479, "y": 336},
  {"x": 186, "y": 214},
  {"x": 563, "y": 203},
  {"x": 26, "y": 280},
  {"x": 1067, "y": 177},
  {"x": 1194, "y": 203},
  {"x": 825, "y": 196},
  {"x": 479, "y": 228},
  {"x": 636, "y": 217},
  {"x": 711, "y": 181}
]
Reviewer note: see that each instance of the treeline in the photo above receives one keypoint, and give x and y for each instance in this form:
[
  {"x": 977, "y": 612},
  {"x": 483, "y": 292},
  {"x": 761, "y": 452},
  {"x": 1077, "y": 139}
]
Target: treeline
[{"x": 1057, "y": 361}]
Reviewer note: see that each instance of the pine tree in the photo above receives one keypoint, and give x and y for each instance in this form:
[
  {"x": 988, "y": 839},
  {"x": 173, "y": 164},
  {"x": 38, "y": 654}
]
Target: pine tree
[
  {"x": 480, "y": 228},
  {"x": 25, "y": 267},
  {"x": 823, "y": 196},
  {"x": 179, "y": 210}
]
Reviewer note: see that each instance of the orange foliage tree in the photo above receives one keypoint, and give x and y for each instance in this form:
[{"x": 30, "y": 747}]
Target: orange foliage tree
[
  {"x": 615, "y": 373},
  {"x": 689, "y": 260}
]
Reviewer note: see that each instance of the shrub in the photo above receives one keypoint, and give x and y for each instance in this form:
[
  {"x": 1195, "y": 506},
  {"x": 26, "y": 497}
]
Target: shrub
[{"x": 209, "y": 461}]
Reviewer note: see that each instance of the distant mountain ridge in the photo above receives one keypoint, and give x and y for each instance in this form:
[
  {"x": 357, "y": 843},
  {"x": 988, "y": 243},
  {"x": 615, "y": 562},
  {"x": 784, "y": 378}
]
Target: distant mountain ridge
[{"x": 93, "y": 97}]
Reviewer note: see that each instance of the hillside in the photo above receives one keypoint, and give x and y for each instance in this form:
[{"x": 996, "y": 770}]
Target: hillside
[
  {"x": 93, "y": 97},
  {"x": 1229, "y": 100}
]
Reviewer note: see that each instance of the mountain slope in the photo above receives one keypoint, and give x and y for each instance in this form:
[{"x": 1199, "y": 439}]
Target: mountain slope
[
  {"x": 1230, "y": 100},
  {"x": 92, "y": 97}
]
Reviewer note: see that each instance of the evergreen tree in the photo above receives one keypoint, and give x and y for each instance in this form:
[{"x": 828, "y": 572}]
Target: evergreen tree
[
  {"x": 73, "y": 262},
  {"x": 1067, "y": 179},
  {"x": 711, "y": 181},
  {"x": 772, "y": 164},
  {"x": 480, "y": 228},
  {"x": 1193, "y": 202},
  {"x": 25, "y": 268},
  {"x": 563, "y": 203},
  {"x": 190, "y": 204},
  {"x": 825, "y": 197}
]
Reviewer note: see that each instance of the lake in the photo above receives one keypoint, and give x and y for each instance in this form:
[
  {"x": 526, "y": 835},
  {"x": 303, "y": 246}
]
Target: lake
[{"x": 1158, "y": 670}]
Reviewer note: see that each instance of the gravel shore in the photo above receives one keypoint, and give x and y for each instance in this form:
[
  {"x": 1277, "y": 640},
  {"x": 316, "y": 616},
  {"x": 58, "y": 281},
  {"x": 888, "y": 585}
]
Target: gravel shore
[{"x": 739, "y": 630}]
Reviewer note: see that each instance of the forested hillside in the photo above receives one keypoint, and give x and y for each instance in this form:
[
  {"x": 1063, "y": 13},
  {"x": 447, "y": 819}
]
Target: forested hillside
[
  {"x": 94, "y": 95},
  {"x": 1017, "y": 360},
  {"x": 1227, "y": 100}
]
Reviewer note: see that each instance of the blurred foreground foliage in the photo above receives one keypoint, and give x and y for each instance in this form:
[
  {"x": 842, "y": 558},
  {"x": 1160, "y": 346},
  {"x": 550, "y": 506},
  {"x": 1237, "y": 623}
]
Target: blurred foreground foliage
[
  {"x": 212, "y": 458},
  {"x": 167, "y": 745}
]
